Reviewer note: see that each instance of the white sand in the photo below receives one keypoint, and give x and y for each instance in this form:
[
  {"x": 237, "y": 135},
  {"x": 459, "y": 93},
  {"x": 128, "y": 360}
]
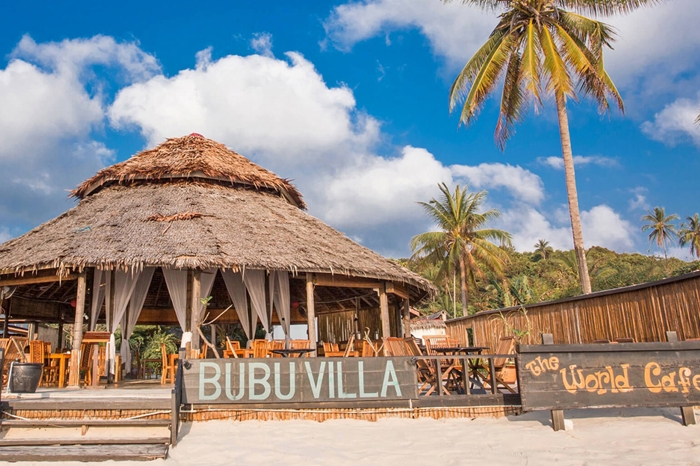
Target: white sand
[{"x": 599, "y": 437}]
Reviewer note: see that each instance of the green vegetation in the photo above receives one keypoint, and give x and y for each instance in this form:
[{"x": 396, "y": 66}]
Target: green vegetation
[
  {"x": 528, "y": 278},
  {"x": 660, "y": 227}
]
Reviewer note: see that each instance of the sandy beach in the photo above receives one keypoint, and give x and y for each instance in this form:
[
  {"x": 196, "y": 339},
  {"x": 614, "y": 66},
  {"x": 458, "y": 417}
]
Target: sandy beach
[{"x": 602, "y": 437}]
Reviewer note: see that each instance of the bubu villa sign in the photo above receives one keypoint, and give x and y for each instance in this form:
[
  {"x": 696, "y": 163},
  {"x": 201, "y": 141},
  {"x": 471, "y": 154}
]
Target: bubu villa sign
[{"x": 298, "y": 380}]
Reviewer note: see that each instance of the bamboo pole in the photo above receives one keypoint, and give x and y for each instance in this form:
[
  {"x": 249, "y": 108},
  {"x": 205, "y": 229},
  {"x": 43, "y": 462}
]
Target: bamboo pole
[
  {"x": 74, "y": 380},
  {"x": 195, "y": 306},
  {"x": 311, "y": 311},
  {"x": 406, "y": 318}
]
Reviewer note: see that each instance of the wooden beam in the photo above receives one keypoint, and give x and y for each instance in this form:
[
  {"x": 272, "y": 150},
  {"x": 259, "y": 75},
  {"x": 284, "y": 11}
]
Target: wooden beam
[
  {"x": 33, "y": 280},
  {"x": 195, "y": 307},
  {"x": 406, "y": 318},
  {"x": 343, "y": 281},
  {"x": 384, "y": 309},
  {"x": 397, "y": 289},
  {"x": 77, "y": 332},
  {"x": 311, "y": 310}
]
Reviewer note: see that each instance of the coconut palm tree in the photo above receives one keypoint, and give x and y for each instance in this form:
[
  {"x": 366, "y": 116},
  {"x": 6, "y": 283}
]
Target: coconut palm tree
[
  {"x": 660, "y": 228},
  {"x": 462, "y": 242},
  {"x": 543, "y": 48},
  {"x": 543, "y": 248},
  {"x": 689, "y": 233}
]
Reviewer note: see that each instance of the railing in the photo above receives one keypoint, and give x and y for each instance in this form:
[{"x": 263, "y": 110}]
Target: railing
[{"x": 480, "y": 372}]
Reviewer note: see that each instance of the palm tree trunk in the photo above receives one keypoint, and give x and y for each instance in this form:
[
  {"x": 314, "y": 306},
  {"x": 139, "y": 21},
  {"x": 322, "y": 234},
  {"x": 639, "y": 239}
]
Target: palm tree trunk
[
  {"x": 571, "y": 193},
  {"x": 463, "y": 282}
]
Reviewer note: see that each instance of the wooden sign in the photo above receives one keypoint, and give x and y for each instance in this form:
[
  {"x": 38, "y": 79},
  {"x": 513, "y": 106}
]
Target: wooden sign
[
  {"x": 560, "y": 377},
  {"x": 298, "y": 380}
]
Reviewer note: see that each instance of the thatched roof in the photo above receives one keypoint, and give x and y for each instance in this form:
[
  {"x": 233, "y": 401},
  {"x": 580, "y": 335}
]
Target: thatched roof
[
  {"x": 129, "y": 217},
  {"x": 192, "y": 157}
]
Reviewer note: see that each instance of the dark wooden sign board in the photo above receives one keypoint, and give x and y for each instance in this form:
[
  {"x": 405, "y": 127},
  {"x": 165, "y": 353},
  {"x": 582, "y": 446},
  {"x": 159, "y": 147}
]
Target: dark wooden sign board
[
  {"x": 559, "y": 377},
  {"x": 279, "y": 381}
]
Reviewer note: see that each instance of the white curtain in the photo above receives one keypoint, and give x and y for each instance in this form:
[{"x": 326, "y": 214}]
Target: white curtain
[
  {"x": 239, "y": 298},
  {"x": 176, "y": 280},
  {"x": 124, "y": 283},
  {"x": 281, "y": 299},
  {"x": 138, "y": 297},
  {"x": 98, "y": 295},
  {"x": 255, "y": 284},
  {"x": 206, "y": 284}
]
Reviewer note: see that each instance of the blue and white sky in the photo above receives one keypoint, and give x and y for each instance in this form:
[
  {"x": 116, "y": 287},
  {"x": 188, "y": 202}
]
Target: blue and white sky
[{"x": 350, "y": 101}]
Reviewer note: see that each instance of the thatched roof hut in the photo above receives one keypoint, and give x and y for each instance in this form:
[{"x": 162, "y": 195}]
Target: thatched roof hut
[{"x": 193, "y": 204}]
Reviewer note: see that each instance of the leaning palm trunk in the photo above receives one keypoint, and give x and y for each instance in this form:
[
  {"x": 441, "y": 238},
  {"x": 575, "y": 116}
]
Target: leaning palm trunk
[
  {"x": 572, "y": 195},
  {"x": 463, "y": 283}
]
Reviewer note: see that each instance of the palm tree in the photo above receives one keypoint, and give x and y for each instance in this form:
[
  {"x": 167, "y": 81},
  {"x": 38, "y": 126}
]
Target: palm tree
[
  {"x": 462, "y": 242},
  {"x": 660, "y": 228},
  {"x": 543, "y": 248},
  {"x": 536, "y": 44},
  {"x": 689, "y": 233}
]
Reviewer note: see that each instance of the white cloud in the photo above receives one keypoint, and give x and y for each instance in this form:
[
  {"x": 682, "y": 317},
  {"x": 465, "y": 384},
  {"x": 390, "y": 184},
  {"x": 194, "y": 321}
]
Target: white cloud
[
  {"x": 261, "y": 106},
  {"x": 521, "y": 183},
  {"x": 48, "y": 116},
  {"x": 579, "y": 161},
  {"x": 639, "y": 201},
  {"x": 5, "y": 235},
  {"x": 455, "y": 32},
  {"x": 675, "y": 123},
  {"x": 262, "y": 44},
  {"x": 602, "y": 226}
]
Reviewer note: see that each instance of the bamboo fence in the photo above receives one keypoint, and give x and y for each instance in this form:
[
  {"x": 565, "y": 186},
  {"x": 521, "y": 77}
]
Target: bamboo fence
[{"x": 642, "y": 312}]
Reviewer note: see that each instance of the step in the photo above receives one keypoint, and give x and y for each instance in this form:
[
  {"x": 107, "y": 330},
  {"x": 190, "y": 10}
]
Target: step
[
  {"x": 84, "y": 453},
  {"x": 85, "y": 422},
  {"x": 52, "y": 404},
  {"x": 25, "y": 442}
]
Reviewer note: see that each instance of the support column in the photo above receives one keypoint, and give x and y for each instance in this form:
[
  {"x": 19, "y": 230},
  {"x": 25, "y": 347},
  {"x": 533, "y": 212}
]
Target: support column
[
  {"x": 384, "y": 309},
  {"x": 311, "y": 310},
  {"x": 406, "y": 318},
  {"x": 195, "y": 306},
  {"x": 74, "y": 380},
  {"x": 5, "y": 303}
]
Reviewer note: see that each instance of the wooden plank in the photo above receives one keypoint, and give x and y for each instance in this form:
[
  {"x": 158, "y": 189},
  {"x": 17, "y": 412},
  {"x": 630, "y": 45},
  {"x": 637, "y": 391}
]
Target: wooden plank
[
  {"x": 613, "y": 347},
  {"x": 20, "y": 442},
  {"x": 58, "y": 404},
  {"x": 558, "y": 420},
  {"x": 397, "y": 289},
  {"x": 84, "y": 453},
  {"x": 74, "y": 378},
  {"x": 343, "y": 281},
  {"x": 384, "y": 311},
  {"x": 311, "y": 310},
  {"x": 38, "y": 279},
  {"x": 85, "y": 422}
]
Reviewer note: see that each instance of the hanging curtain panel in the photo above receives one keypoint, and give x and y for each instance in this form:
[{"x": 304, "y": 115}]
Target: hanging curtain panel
[
  {"x": 176, "y": 280},
  {"x": 98, "y": 297},
  {"x": 207, "y": 283},
  {"x": 255, "y": 284},
  {"x": 124, "y": 284},
  {"x": 138, "y": 297},
  {"x": 281, "y": 298},
  {"x": 239, "y": 298}
]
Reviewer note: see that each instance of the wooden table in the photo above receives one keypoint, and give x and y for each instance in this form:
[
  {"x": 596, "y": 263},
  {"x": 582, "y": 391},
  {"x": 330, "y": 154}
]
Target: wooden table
[
  {"x": 62, "y": 359},
  {"x": 94, "y": 339},
  {"x": 142, "y": 366},
  {"x": 292, "y": 352},
  {"x": 451, "y": 372}
]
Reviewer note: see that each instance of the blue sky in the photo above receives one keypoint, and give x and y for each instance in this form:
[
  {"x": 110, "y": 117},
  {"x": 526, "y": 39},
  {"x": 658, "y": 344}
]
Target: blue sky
[{"x": 350, "y": 101}]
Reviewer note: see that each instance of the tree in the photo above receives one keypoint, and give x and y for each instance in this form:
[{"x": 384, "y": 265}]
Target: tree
[
  {"x": 543, "y": 249},
  {"x": 660, "y": 228},
  {"x": 536, "y": 43},
  {"x": 689, "y": 233},
  {"x": 462, "y": 242}
]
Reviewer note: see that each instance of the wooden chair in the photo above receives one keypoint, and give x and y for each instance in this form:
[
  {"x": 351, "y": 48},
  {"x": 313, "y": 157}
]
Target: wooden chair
[
  {"x": 14, "y": 350},
  {"x": 260, "y": 349},
  {"x": 273, "y": 345},
  {"x": 394, "y": 346},
  {"x": 38, "y": 355},
  {"x": 300, "y": 344},
  {"x": 350, "y": 351},
  {"x": 169, "y": 365},
  {"x": 367, "y": 350},
  {"x": 232, "y": 346},
  {"x": 435, "y": 341},
  {"x": 504, "y": 370},
  {"x": 332, "y": 350},
  {"x": 427, "y": 375}
]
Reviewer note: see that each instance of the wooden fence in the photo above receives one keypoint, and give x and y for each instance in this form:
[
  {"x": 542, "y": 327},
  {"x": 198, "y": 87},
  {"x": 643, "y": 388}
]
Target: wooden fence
[{"x": 642, "y": 312}]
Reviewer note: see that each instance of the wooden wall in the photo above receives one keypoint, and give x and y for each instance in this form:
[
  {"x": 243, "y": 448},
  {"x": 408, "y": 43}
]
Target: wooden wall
[
  {"x": 338, "y": 326},
  {"x": 643, "y": 312}
]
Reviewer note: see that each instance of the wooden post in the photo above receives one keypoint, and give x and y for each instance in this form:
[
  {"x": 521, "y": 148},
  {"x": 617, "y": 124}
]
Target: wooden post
[
  {"x": 384, "y": 310},
  {"x": 406, "y": 318},
  {"x": 6, "y": 310},
  {"x": 356, "y": 319},
  {"x": 687, "y": 412},
  {"x": 557, "y": 414},
  {"x": 74, "y": 380},
  {"x": 311, "y": 311},
  {"x": 195, "y": 306}
]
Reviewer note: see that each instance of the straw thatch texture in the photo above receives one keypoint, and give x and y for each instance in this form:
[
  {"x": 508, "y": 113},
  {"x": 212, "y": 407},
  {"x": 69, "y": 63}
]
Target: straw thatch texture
[
  {"x": 191, "y": 157},
  {"x": 233, "y": 228},
  {"x": 641, "y": 312}
]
